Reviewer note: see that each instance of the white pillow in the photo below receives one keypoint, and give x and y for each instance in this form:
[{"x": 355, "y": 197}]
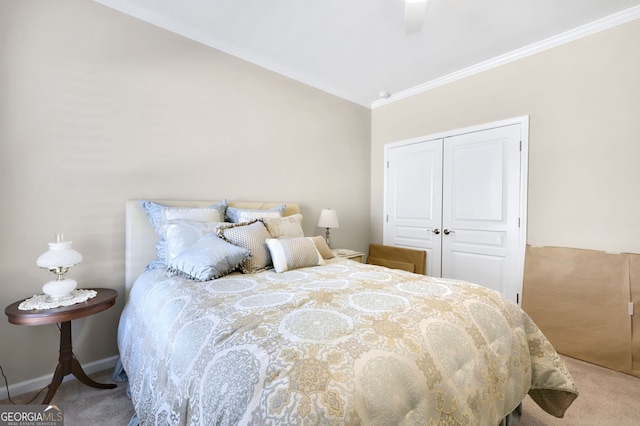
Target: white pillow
[
  {"x": 236, "y": 215},
  {"x": 293, "y": 253}
]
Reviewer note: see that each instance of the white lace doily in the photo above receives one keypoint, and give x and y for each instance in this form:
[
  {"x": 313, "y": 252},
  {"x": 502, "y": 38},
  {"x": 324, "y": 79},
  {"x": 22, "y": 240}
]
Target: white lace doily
[{"x": 39, "y": 301}]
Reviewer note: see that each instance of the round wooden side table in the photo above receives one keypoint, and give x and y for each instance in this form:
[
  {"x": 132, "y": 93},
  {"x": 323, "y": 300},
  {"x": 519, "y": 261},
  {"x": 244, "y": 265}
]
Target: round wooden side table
[{"x": 67, "y": 362}]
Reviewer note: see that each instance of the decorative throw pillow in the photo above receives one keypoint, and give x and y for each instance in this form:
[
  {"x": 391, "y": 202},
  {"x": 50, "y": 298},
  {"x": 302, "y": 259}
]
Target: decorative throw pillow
[
  {"x": 182, "y": 234},
  {"x": 251, "y": 236},
  {"x": 323, "y": 247},
  {"x": 236, "y": 215},
  {"x": 293, "y": 253},
  {"x": 209, "y": 258},
  {"x": 159, "y": 214},
  {"x": 285, "y": 227}
]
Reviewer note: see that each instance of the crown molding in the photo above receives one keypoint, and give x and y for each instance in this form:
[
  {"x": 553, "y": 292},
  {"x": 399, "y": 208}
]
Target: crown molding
[{"x": 606, "y": 23}]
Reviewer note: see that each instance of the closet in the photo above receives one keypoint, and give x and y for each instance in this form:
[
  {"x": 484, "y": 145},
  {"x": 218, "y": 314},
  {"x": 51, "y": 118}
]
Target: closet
[{"x": 461, "y": 197}]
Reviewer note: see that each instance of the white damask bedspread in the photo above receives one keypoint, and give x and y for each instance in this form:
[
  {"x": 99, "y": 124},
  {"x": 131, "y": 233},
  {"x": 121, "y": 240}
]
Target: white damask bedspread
[{"x": 344, "y": 343}]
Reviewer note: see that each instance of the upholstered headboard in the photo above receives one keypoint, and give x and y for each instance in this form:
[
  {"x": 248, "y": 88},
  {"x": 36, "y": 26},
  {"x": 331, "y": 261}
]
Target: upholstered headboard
[{"x": 141, "y": 239}]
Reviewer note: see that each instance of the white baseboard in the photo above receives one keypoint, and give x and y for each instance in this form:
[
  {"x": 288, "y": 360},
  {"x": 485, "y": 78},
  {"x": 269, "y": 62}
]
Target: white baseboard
[{"x": 40, "y": 382}]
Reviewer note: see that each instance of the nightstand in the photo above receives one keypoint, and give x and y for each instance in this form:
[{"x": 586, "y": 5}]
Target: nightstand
[
  {"x": 349, "y": 254},
  {"x": 67, "y": 362}
]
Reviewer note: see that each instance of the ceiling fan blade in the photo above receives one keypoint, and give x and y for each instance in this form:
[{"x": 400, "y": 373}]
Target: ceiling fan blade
[{"x": 414, "y": 13}]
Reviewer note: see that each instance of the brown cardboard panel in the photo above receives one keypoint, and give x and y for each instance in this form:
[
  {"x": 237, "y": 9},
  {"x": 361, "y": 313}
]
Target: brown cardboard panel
[
  {"x": 634, "y": 264},
  {"x": 579, "y": 299},
  {"x": 393, "y": 264},
  {"x": 418, "y": 258}
]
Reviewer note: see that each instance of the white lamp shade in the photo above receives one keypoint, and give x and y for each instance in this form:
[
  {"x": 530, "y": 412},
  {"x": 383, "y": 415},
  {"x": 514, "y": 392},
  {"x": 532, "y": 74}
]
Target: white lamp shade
[
  {"x": 328, "y": 219},
  {"x": 59, "y": 255}
]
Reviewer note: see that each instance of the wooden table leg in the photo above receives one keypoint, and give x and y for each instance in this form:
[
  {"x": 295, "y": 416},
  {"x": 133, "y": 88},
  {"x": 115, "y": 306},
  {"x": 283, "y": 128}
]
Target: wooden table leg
[{"x": 68, "y": 364}]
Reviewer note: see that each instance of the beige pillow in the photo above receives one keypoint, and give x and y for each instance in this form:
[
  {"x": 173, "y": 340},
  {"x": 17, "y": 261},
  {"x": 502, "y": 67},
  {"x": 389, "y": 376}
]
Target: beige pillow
[
  {"x": 285, "y": 227},
  {"x": 322, "y": 246}
]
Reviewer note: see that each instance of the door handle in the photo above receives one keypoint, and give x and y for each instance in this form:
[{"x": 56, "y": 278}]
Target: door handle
[
  {"x": 435, "y": 231},
  {"x": 448, "y": 231}
]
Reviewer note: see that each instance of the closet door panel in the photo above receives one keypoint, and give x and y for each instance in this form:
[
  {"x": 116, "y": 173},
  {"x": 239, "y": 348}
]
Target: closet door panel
[
  {"x": 413, "y": 199},
  {"x": 481, "y": 193}
]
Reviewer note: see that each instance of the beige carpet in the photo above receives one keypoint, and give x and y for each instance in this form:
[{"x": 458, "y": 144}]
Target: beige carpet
[
  {"x": 606, "y": 398},
  {"x": 83, "y": 405}
]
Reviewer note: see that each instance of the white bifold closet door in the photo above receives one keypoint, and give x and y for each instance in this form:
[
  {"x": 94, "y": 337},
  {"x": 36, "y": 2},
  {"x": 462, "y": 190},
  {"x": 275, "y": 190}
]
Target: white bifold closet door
[{"x": 459, "y": 198}]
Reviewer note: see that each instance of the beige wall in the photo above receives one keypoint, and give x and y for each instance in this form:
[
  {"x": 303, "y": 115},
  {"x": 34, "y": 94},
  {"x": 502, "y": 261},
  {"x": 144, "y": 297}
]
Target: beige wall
[
  {"x": 97, "y": 107},
  {"x": 583, "y": 99}
]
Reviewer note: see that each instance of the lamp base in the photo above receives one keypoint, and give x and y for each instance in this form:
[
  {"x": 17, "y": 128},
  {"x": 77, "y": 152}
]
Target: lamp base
[{"x": 59, "y": 290}]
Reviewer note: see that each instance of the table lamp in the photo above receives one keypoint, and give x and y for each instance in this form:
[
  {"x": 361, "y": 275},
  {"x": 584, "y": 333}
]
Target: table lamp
[
  {"x": 328, "y": 219},
  {"x": 59, "y": 259}
]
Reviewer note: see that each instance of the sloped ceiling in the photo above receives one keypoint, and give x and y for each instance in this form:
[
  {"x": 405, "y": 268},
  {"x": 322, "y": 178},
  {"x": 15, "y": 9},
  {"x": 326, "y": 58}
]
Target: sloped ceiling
[{"x": 357, "y": 49}]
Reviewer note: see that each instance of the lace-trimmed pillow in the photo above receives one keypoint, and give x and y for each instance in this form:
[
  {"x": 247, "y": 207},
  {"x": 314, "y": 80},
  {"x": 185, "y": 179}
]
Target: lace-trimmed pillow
[
  {"x": 251, "y": 236},
  {"x": 293, "y": 253}
]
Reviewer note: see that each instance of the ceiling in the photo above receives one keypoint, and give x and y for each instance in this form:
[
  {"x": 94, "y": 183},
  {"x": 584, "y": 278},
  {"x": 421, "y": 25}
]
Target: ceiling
[{"x": 357, "y": 49}]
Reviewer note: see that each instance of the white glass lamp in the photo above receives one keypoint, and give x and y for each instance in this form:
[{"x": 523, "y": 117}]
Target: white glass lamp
[
  {"x": 59, "y": 259},
  {"x": 328, "y": 219}
]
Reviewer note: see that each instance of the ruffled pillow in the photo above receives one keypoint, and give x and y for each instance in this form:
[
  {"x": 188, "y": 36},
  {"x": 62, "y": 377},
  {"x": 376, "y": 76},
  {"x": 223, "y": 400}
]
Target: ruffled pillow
[
  {"x": 209, "y": 258},
  {"x": 182, "y": 234},
  {"x": 251, "y": 236},
  {"x": 159, "y": 214}
]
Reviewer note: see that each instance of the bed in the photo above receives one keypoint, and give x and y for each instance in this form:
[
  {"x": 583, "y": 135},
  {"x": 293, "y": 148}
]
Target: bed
[{"x": 314, "y": 340}]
